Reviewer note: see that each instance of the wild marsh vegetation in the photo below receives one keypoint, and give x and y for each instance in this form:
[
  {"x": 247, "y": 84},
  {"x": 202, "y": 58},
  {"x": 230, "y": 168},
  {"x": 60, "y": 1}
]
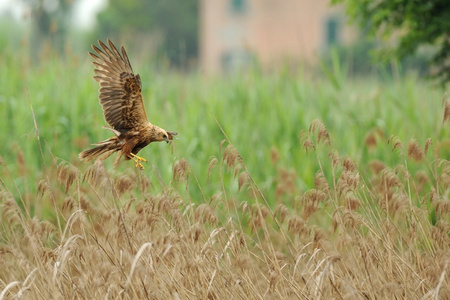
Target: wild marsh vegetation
[{"x": 281, "y": 185}]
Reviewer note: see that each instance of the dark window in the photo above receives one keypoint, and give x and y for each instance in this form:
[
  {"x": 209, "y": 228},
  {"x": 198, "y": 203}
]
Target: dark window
[
  {"x": 238, "y": 6},
  {"x": 332, "y": 31}
]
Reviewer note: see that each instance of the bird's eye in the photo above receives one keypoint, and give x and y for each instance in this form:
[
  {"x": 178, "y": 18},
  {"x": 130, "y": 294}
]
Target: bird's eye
[{"x": 164, "y": 136}]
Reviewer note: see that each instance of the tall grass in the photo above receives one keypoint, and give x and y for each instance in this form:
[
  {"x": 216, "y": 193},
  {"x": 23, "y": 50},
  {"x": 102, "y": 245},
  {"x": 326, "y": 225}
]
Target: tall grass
[{"x": 280, "y": 186}]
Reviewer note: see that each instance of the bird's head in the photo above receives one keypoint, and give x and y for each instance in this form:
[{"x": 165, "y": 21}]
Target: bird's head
[{"x": 163, "y": 135}]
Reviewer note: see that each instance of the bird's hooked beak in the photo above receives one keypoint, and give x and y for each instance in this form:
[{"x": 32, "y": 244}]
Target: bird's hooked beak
[{"x": 170, "y": 136}]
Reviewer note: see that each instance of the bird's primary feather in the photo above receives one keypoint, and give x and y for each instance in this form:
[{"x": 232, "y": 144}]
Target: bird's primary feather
[{"x": 120, "y": 92}]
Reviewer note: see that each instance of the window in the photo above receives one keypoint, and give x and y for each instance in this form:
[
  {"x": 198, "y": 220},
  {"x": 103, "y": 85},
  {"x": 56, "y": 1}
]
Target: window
[
  {"x": 332, "y": 31},
  {"x": 238, "y": 6}
]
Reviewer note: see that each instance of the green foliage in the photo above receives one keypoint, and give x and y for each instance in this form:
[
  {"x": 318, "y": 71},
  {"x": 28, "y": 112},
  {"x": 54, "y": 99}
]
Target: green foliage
[
  {"x": 358, "y": 59},
  {"x": 175, "y": 22},
  {"x": 410, "y": 25}
]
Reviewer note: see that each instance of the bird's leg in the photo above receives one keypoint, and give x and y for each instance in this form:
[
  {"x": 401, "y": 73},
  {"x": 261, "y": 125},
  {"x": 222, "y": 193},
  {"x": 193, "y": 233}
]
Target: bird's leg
[
  {"x": 137, "y": 160},
  {"x": 138, "y": 157},
  {"x": 138, "y": 163}
]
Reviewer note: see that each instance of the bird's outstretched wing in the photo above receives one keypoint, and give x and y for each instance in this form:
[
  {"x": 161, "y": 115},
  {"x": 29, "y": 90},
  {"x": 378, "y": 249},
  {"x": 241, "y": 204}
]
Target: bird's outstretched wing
[{"x": 120, "y": 90}]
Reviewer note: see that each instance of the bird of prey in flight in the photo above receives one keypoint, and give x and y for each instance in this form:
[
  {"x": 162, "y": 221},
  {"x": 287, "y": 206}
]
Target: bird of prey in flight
[{"x": 123, "y": 108}]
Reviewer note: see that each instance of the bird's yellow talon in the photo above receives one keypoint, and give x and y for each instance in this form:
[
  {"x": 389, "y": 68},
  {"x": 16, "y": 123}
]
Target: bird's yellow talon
[
  {"x": 137, "y": 160},
  {"x": 138, "y": 157}
]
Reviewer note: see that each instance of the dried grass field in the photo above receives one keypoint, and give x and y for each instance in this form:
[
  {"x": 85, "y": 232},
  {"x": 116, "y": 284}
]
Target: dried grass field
[{"x": 280, "y": 186}]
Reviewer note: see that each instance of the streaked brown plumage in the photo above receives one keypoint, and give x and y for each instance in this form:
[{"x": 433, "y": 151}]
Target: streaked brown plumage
[{"x": 123, "y": 108}]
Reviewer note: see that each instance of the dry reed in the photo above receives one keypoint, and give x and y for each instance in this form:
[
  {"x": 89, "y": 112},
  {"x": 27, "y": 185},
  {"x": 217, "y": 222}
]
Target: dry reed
[{"x": 348, "y": 238}]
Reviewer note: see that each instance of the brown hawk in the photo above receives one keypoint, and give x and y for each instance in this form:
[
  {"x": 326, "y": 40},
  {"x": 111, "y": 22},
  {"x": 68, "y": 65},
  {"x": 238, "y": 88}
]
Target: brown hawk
[{"x": 123, "y": 108}]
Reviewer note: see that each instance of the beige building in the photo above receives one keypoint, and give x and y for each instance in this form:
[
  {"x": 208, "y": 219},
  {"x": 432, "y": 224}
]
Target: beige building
[{"x": 235, "y": 32}]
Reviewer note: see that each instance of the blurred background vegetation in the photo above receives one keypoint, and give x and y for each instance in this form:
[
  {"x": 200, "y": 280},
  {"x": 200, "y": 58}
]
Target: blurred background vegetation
[
  {"x": 414, "y": 36},
  {"x": 170, "y": 27}
]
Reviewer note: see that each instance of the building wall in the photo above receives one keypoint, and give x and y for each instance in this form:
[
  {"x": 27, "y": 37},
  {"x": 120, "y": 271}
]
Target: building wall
[{"x": 233, "y": 32}]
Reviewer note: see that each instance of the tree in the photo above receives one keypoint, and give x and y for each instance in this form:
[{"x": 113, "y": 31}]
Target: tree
[
  {"x": 410, "y": 24},
  {"x": 49, "y": 23},
  {"x": 176, "y": 22}
]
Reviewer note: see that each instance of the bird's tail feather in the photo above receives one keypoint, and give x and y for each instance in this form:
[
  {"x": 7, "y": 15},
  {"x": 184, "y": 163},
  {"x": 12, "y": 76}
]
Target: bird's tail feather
[{"x": 102, "y": 151}]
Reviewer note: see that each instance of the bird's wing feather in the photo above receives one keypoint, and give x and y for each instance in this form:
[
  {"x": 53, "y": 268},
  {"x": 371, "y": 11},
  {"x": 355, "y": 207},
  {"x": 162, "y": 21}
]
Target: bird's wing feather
[{"x": 120, "y": 90}]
